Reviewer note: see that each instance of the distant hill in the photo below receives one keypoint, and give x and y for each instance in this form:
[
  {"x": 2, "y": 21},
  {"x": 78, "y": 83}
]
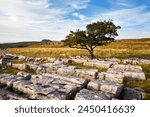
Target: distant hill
[
  {"x": 33, "y": 44},
  {"x": 17, "y": 45},
  {"x": 46, "y": 40}
]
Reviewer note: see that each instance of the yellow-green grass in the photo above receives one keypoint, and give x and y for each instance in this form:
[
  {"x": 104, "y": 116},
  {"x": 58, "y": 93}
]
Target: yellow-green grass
[
  {"x": 146, "y": 69},
  {"x": 120, "y": 49},
  {"x": 17, "y": 61},
  {"x": 145, "y": 85},
  {"x": 8, "y": 70},
  {"x": 11, "y": 70}
]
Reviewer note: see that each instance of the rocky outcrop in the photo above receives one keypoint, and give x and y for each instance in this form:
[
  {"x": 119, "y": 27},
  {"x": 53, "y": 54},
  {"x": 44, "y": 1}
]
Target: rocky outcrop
[
  {"x": 133, "y": 94},
  {"x": 25, "y": 75},
  {"x": 102, "y": 64},
  {"x": 129, "y": 72},
  {"x": 59, "y": 81},
  {"x": 86, "y": 94},
  {"x": 116, "y": 78},
  {"x": 106, "y": 86},
  {"x": 19, "y": 66},
  {"x": 44, "y": 87},
  {"x": 136, "y": 61}
]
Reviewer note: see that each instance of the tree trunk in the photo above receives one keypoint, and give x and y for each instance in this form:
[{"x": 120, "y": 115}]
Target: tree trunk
[{"x": 92, "y": 54}]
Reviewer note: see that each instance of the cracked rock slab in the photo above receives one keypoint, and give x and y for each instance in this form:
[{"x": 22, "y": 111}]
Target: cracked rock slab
[
  {"x": 116, "y": 78},
  {"x": 132, "y": 68},
  {"x": 45, "y": 87},
  {"x": 106, "y": 86},
  {"x": 86, "y": 94}
]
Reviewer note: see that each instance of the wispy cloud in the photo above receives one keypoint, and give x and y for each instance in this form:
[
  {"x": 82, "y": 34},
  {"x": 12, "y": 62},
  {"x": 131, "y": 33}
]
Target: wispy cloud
[
  {"x": 25, "y": 20},
  {"x": 35, "y": 20}
]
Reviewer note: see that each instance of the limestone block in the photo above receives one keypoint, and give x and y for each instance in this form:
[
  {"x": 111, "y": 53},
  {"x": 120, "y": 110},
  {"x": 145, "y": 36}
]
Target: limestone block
[
  {"x": 69, "y": 70},
  {"x": 117, "y": 78},
  {"x": 133, "y": 68},
  {"x": 106, "y": 86},
  {"x": 20, "y": 57},
  {"x": 134, "y": 75},
  {"x": 86, "y": 94},
  {"x": 19, "y": 66},
  {"x": 86, "y": 73},
  {"x": 26, "y": 75},
  {"x": 133, "y": 93}
]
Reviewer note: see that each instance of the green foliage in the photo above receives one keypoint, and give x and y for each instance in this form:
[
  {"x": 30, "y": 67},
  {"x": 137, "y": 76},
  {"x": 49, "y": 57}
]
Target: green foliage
[
  {"x": 139, "y": 48},
  {"x": 98, "y": 33}
]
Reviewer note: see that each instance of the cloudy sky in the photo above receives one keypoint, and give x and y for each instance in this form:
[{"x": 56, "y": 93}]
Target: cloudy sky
[{"x": 34, "y": 20}]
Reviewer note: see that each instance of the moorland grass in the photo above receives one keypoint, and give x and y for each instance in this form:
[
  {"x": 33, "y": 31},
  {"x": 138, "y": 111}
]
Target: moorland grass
[{"x": 119, "y": 49}]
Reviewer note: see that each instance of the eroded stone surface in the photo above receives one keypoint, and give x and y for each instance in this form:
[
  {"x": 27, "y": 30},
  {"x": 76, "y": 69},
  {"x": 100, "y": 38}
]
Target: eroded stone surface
[
  {"x": 132, "y": 68},
  {"x": 106, "y": 86},
  {"x": 54, "y": 80},
  {"x": 116, "y": 78},
  {"x": 133, "y": 94},
  {"x": 86, "y": 94},
  {"x": 129, "y": 75},
  {"x": 19, "y": 66},
  {"x": 45, "y": 87}
]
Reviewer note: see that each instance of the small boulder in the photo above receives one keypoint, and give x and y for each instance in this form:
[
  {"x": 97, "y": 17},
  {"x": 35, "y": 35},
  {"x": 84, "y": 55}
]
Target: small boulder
[
  {"x": 26, "y": 75},
  {"x": 19, "y": 66}
]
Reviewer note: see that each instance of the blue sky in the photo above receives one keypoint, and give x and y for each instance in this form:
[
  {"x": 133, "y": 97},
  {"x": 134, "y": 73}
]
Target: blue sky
[{"x": 34, "y": 20}]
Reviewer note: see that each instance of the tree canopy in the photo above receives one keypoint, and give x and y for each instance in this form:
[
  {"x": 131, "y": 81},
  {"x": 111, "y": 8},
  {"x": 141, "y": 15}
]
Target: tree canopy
[{"x": 96, "y": 34}]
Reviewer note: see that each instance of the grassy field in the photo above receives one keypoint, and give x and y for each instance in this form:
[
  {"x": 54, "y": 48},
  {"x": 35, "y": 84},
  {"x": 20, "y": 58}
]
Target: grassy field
[
  {"x": 121, "y": 49},
  {"x": 139, "y": 48}
]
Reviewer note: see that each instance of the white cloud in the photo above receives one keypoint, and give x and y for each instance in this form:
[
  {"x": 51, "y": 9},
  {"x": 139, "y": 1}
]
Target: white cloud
[
  {"x": 134, "y": 22},
  {"x": 25, "y": 20},
  {"x": 80, "y": 16},
  {"x": 78, "y": 4},
  {"x": 29, "y": 20}
]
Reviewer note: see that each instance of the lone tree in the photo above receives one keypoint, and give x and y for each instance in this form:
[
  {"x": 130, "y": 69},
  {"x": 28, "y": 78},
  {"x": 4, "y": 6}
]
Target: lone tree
[{"x": 96, "y": 34}]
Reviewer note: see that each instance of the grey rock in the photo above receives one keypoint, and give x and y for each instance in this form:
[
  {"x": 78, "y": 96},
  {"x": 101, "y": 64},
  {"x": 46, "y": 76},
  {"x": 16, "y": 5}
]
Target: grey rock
[
  {"x": 106, "y": 86},
  {"x": 139, "y": 76},
  {"x": 44, "y": 87},
  {"x": 86, "y": 94},
  {"x": 7, "y": 79},
  {"x": 103, "y": 64},
  {"x": 51, "y": 60},
  {"x": 132, "y": 68},
  {"x": 41, "y": 70},
  {"x": 20, "y": 57},
  {"x": 69, "y": 70},
  {"x": 3, "y": 61},
  {"x": 117, "y": 78},
  {"x": 7, "y": 95},
  {"x": 78, "y": 60},
  {"x": 71, "y": 79},
  {"x": 26, "y": 75},
  {"x": 32, "y": 66},
  {"x": 86, "y": 73},
  {"x": 9, "y": 56},
  {"x": 19, "y": 66},
  {"x": 133, "y": 93},
  {"x": 144, "y": 61}
]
